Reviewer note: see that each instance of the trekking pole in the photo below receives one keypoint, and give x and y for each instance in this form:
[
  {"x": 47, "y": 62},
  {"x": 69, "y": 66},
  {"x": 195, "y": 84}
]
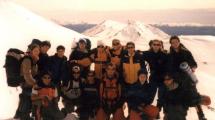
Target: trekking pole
[{"x": 200, "y": 113}]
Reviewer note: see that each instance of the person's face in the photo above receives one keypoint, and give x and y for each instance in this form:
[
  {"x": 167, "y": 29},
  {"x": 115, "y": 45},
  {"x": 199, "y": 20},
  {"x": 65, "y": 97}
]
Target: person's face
[
  {"x": 90, "y": 78},
  {"x": 110, "y": 71},
  {"x": 35, "y": 53},
  {"x": 60, "y": 53},
  {"x": 76, "y": 75},
  {"x": 168, "y": 81},
  {"x": 130, "y": 48},
  {"x": 142, "y": 78},
  {"x": 82, "y": 45},
  {"x": 116, "y": 45},
  {"x": 44, "y": 49},
  {"x": 46, "y": 79},
  {"x": 100, "y": 48},
  {"x": 175, "y": 43},
  {"x": 156, "y": 46}
]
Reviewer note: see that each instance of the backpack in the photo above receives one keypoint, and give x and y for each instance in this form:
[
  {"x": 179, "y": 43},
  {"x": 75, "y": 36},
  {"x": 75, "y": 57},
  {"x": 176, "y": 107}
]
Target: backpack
[
  {"x": 12, "y": 66},
  {"x": 110, "y": 90}
]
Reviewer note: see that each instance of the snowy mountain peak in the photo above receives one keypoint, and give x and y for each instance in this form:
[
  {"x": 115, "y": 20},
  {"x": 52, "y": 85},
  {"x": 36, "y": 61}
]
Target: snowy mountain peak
[{"x": 132, "y": 31}]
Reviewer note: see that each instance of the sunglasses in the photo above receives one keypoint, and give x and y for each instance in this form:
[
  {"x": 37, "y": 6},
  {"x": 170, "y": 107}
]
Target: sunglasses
[
  {"x": 130, "y": 47},
  {"x": 101, "y": 46},
  {"x": 46, "y": 78},
  {"x": 115, "y": 44},
  {"x": 168, "y": 78},
  {"x": 76, "y": 73},
  {"x": 156, "y": 45},
  {"x": 90, "y": 75}
]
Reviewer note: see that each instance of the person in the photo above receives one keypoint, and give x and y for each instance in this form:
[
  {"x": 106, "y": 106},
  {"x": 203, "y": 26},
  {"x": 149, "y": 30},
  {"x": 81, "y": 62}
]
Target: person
[
  {"x": 178, "y": 98},
  {"x": 44, "y": 97},
  {"x": 44, "y": 57},
  {"x": 157, "y": 61},
  {"x": 178, "y": 55},
  {"x": 58, "y": 66},
  {"x": 131, "y": 63},
  {"x": 71, "y": 90},
  {"x": 139, "y": 98},
  {"x": 89, "y": 97},
  {"x": 81, "y": 56},
  {"x": 28, "y": 71},
  {"x": 100, "y": 57},
  {"x": 110, "y": 96},
  {"x": 116, "y": 52}
]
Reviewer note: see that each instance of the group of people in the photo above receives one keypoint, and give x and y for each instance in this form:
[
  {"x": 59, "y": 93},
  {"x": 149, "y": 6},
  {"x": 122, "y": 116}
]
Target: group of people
[{"x": 121, "y": 75}]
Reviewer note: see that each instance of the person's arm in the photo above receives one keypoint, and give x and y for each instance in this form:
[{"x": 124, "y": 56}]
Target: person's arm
[
  {"x": 27, "y": 73},
  {"x": 191, "y": 61}
]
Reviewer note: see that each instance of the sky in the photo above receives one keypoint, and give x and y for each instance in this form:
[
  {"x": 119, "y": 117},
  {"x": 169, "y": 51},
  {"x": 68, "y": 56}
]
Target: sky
[
  {"x": 149, "y": 11},
  {"x": 110, "y": 5}
]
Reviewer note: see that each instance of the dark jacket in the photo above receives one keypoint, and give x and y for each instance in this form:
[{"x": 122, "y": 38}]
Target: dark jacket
[
  {"x": 90, "y": 92},
  {"x": 157, "y": 61},
  {"x": 176, "y": 58},
  {"x": 182, "y": 95},
  {"x": 58, "y": 68},
  {"x": 43, "y": 62},
  {"x": 137, "y": 94}
]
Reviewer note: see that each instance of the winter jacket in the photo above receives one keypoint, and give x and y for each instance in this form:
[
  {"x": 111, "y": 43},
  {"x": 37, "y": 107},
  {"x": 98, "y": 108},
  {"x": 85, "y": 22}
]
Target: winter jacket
[
  {"x": 176, "y": 58},
  {"x": 157, "y": 61},
  {"x": 130, "y": 65},
  {"x": 58, "y": 68},
  {"x": 28, "y": 71},
  {"x": 43, "y": 62},
  {"x": 137, "y": 95}
]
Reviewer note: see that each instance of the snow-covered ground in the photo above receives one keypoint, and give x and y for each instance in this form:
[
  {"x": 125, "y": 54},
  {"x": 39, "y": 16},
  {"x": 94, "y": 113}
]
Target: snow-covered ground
[{"x": 18, "y": 27}]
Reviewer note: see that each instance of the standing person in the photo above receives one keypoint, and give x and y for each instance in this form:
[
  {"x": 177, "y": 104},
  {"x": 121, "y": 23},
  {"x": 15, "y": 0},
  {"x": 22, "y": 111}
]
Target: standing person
[
  {"x": 131, "y": 63},
  {"x": 89, "y": 97},
  {"x": 179, "y": 54},
  {"x": 58, "y": 66},
  {"x": 110, "y": 96},
  {"x": 44, "y": 57},
  {"x": 139, "y": 99},
  {"x": 100, "y": 57},
  {"x": 81, "y": 56},
  {"x": 71, "y": 90},
  {"x": 157, "y": 61},
  {"x": 45, "y": 99},
  {"x": 28, "y": 71},
  {"x": 116, "y": 52}
]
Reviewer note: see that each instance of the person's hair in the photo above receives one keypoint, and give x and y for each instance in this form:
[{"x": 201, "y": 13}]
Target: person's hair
[
  {"x": 90, "y": 72},
  {"x": 174, "y": 37},
  {"x": 130, "y": 43},
  {"x": 115, "y": 40},
  {"x": 45, "y": 43},
  {"x": 111, "y": 65},
  {"x": 60, "y": 47},
  {"x": 33, "y": 46}
]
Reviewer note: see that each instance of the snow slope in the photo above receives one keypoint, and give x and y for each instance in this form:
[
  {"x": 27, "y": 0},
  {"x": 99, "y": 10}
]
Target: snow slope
[{"x": 18, "y": 27}]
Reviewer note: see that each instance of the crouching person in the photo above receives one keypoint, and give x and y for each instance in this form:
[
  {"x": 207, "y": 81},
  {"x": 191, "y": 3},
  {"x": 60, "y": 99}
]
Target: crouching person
[
  {"x": 110, "y": 96},
  {"x": 89, "y": 97},
  {"x": 44, "y": 97},
  {"x": 139, "y": 98},
  {"x": 178, "y": 97},
  {"x": 71, "y": 90}
]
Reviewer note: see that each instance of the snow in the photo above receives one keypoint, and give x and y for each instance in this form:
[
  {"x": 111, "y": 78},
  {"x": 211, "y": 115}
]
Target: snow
[
  {"x": 19, "y": 26},
  {"x": 132, "y": 31}
]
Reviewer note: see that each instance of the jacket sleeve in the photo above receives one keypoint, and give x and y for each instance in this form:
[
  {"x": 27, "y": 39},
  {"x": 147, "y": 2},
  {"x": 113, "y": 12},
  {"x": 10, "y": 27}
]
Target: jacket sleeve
[
  {"x": 27, "y": 72},
  {"x": 191, "y": 61}
]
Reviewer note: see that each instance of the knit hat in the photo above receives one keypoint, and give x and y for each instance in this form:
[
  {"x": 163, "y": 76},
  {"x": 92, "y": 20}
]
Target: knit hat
[{"x": 100, "y": 43}]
